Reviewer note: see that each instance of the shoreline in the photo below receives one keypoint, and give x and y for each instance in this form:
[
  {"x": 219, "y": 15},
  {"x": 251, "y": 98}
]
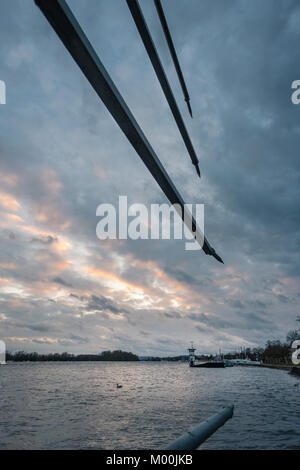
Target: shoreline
[{"x": 291, "y": 368}]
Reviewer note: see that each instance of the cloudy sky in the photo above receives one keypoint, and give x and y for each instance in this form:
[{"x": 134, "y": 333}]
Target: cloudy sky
[{"x": 62, "y": 154}]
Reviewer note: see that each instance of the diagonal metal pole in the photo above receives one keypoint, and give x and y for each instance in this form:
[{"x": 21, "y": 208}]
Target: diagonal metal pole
[
  {"x": 143, "y": 29},
  {"x": 192, "y": 439},
  {"x": 68, "y": 29},
  {"x": 169, "y": 39}
]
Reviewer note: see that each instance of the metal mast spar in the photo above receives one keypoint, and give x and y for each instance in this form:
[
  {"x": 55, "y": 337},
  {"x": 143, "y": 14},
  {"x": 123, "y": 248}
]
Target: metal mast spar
[
  {"x": 141, "y": 25},
  {"x": 68, "y": 29},
  {"x": 169, "y": 39}
]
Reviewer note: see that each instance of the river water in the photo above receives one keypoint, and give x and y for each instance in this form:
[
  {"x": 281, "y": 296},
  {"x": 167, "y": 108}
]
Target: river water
[{"x": 77, "y": 405}]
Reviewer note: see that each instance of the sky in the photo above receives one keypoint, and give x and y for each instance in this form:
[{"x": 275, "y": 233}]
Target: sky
[{"x": 62, "y": 154}]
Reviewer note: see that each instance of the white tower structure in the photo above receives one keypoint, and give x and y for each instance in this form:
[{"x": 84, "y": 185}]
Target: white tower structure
[{"x": 191, "y": 351}]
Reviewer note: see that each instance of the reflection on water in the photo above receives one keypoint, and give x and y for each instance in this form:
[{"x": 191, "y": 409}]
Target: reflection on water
[{"x": 78, "y": 405}]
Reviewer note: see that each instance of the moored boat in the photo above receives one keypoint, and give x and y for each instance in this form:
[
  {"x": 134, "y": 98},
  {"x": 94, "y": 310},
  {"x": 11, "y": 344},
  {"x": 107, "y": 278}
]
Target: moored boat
[{"x": 209, "y": 364}]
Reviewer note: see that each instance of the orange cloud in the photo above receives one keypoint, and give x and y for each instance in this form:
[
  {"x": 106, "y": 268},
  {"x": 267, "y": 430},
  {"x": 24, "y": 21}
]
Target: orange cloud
[
  {"x": 61, "y": 246},
  {"x": 14, "y": 218},
  {"x": 9, "y": 202},
  {"x": 50, "y": 214},
  {"x": 4, "y": 265},
  {"x": 5, "y": 280},
  {"x": 30, "y": 340},
  {"x": 117, "y": 281}
]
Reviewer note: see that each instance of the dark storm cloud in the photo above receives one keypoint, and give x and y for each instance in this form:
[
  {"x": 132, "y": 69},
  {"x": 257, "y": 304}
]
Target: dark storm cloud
[
  {"x": 42, "y": 341},
  {"x": 39, "y": 327},
  {"x": 185, "y": 277},
  {"x": 46, "y": 241},
  {"x": 236, "y": 304},
  {"x": 283, "y": 298},
  {"x": 209, "y": 320},
  {"x": 172, "y": 314},
  {"x": 101, "y": 303},
  {"x": 255, "y": 321},
  {"x": 61, "y": 281},
  {"x": 79, "y": 339}
]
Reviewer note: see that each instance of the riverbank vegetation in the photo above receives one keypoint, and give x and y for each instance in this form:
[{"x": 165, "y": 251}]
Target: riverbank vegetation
[{"x": 22, "y": 356}]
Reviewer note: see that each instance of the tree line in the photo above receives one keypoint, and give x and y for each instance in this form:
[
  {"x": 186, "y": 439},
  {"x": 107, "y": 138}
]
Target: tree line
[
  {"x": 275, "y": 352},
  {"x": 118, "y": 355}
]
